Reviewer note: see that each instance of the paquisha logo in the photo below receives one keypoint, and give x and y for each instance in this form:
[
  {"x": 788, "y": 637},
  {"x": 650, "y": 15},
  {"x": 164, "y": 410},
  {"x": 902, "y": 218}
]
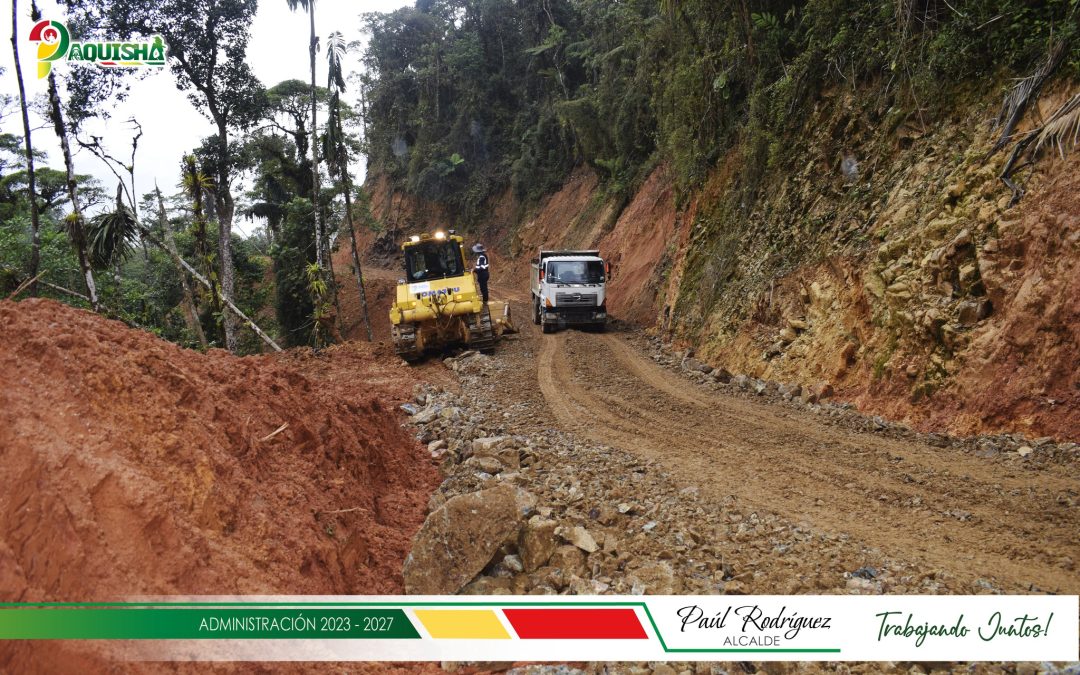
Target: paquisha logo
[{"x": 55, "y": 43}]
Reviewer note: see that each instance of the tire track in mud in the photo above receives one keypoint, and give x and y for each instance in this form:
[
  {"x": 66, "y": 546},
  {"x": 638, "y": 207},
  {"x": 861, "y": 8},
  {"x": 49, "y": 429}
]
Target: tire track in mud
[{"x": 974, "y": 517}]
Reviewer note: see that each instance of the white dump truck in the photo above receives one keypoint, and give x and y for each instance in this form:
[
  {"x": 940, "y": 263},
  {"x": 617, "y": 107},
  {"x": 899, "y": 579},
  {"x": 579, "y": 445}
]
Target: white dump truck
[{"x": 568, "y": 289}]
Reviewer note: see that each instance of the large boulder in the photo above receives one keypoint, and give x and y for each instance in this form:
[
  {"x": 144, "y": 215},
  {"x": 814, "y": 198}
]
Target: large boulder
[{"x": 460, "y": 538}]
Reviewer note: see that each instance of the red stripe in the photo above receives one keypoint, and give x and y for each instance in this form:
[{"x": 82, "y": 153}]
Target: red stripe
[{"x": 576, "y": 624}]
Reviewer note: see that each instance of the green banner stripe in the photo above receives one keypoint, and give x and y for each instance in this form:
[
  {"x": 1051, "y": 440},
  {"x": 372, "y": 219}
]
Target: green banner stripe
[{"x": 204, "y": 624}]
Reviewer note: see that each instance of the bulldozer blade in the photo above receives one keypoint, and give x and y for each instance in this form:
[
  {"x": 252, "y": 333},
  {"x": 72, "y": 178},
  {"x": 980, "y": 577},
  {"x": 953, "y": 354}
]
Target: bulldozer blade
[{"x": 504, "y": 322}]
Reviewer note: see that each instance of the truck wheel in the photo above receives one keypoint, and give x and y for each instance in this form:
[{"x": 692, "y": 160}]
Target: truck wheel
[
  {"x": 536, "y": 312},
  {"x": 600, "y": 327},
  {"x": 548, "y": 327}
]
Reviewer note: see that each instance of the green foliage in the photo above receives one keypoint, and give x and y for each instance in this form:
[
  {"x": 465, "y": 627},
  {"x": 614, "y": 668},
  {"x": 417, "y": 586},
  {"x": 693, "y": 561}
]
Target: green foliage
[
  {"x": 110, "y": 235},
  {"x": 526, "y": 91},
  {"x": 253, "y": 294},
  {"x": 464, "y": 98},
  {"x": 315, "y": 283},
  {"x": 321, "y": 315},
  {"x": 362, "y": 215},
  {"x": 294, "y": 251},
  {"x": 58, "y": 263},
  {"x": 282, "y": 191},
  {"x": 205, "y": 56}
]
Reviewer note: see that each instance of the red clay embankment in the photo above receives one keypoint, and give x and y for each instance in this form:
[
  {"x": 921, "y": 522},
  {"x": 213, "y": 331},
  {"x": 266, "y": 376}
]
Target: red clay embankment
[{"x": 132, "y": 466}]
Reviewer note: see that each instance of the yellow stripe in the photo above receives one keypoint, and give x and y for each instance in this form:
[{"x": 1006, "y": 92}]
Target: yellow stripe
[{"x": 476, "y": 624}]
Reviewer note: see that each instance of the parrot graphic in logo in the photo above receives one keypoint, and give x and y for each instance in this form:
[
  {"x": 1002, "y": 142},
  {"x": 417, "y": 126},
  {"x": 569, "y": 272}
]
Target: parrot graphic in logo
[{"x": 53, "y": 41}]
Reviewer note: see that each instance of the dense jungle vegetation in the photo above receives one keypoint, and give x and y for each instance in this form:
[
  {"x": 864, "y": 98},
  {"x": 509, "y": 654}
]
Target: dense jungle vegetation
[
  {"x": 458, "y": 100},
  {"x": 465, "y": 97}
]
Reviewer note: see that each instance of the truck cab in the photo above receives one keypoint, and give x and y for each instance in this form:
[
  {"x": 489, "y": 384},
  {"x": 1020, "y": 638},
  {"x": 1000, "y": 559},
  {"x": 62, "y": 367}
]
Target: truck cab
[{"x": 568, "y": 289}]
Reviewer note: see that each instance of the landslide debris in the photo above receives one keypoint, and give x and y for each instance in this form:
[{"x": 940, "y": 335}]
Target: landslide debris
[
  {"x": 612, "y": 519},
  {"x": 132, "y": 466}
]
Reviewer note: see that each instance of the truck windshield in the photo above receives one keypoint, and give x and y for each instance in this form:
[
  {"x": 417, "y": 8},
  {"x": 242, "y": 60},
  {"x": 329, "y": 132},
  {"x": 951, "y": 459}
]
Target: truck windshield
[
  {"x": 575, "y": 272},
  {"x": 433, "y": 260}
]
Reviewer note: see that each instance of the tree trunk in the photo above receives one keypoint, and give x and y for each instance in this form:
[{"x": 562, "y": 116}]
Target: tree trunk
[
  {"x": 320, "y": 246},
  {"x": 35, "y": 219},
  {"x": 332, "y": 289},
  {"x": 191, "y": 313},
  {"x": 223, "y": 205},
  {"x": 78, "y": 231},
  {"x": 355, "y": 255}
]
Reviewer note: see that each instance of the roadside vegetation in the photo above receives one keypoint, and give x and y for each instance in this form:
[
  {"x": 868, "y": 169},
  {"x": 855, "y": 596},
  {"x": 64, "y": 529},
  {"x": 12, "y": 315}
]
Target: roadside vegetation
[
  {"x": 170, "y": 260},
  {"x": 467, "y": 97}
]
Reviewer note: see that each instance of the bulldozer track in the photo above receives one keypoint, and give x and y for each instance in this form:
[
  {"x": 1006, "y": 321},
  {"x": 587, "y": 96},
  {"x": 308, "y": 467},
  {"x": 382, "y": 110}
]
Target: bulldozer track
[
  {"x": 481, "y": 331},
  {"x": 480, "y": 324},
  {"x": 405, "y": 342}
]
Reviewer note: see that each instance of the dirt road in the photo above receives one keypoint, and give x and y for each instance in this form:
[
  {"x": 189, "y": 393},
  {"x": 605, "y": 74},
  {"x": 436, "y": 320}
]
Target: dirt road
[{"x": 976, "y": 518}]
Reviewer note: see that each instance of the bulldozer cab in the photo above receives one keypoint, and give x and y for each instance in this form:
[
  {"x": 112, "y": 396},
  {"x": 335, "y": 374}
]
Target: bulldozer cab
[{"x": 433, "y": 259}]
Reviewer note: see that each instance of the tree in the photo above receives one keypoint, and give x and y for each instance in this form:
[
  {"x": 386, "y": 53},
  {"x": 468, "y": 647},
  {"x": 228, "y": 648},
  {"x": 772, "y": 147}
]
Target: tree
[
  {"x": 281, "y": 193},
  {"x": 207, "y": 43},
  {"x": 294, "y": 250},
  {"x": 153, "y": 239},
  {"x": 35, "y": 221},
  {"x": 76, "y": 224},
  {"x": 313, "y": 47},
  {"x": 277, "y": 178},
  {"x": 51, "y": 186},
  {"x": 191, "y": 311},
  {"x": 337, "y": 156},
  {"x": 196, "y": 184},
  {"x": 291, "y": 99}
]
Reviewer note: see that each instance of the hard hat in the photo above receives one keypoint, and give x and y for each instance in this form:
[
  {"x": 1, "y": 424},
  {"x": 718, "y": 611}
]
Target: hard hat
[{"x": 478, "y": 248}]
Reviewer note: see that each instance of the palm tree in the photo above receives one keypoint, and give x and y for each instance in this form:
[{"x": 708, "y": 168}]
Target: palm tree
[{"x": 337, "y": 155}]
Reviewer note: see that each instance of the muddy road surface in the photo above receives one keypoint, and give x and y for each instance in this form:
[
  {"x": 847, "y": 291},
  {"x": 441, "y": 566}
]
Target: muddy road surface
[{"x": 974, "y": 518}]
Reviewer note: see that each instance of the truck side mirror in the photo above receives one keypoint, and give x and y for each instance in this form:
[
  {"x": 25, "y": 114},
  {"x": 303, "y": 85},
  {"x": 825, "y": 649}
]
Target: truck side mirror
[{"x": 608, "y": 270}]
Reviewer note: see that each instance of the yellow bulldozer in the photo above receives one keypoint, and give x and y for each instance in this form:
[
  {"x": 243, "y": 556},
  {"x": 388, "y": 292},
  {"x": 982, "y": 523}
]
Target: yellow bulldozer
[{"x": 438, "y": 304}]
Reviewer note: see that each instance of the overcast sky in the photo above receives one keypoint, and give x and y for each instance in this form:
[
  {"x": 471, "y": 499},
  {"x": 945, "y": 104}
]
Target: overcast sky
[{"x": 171, "y": 124}]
